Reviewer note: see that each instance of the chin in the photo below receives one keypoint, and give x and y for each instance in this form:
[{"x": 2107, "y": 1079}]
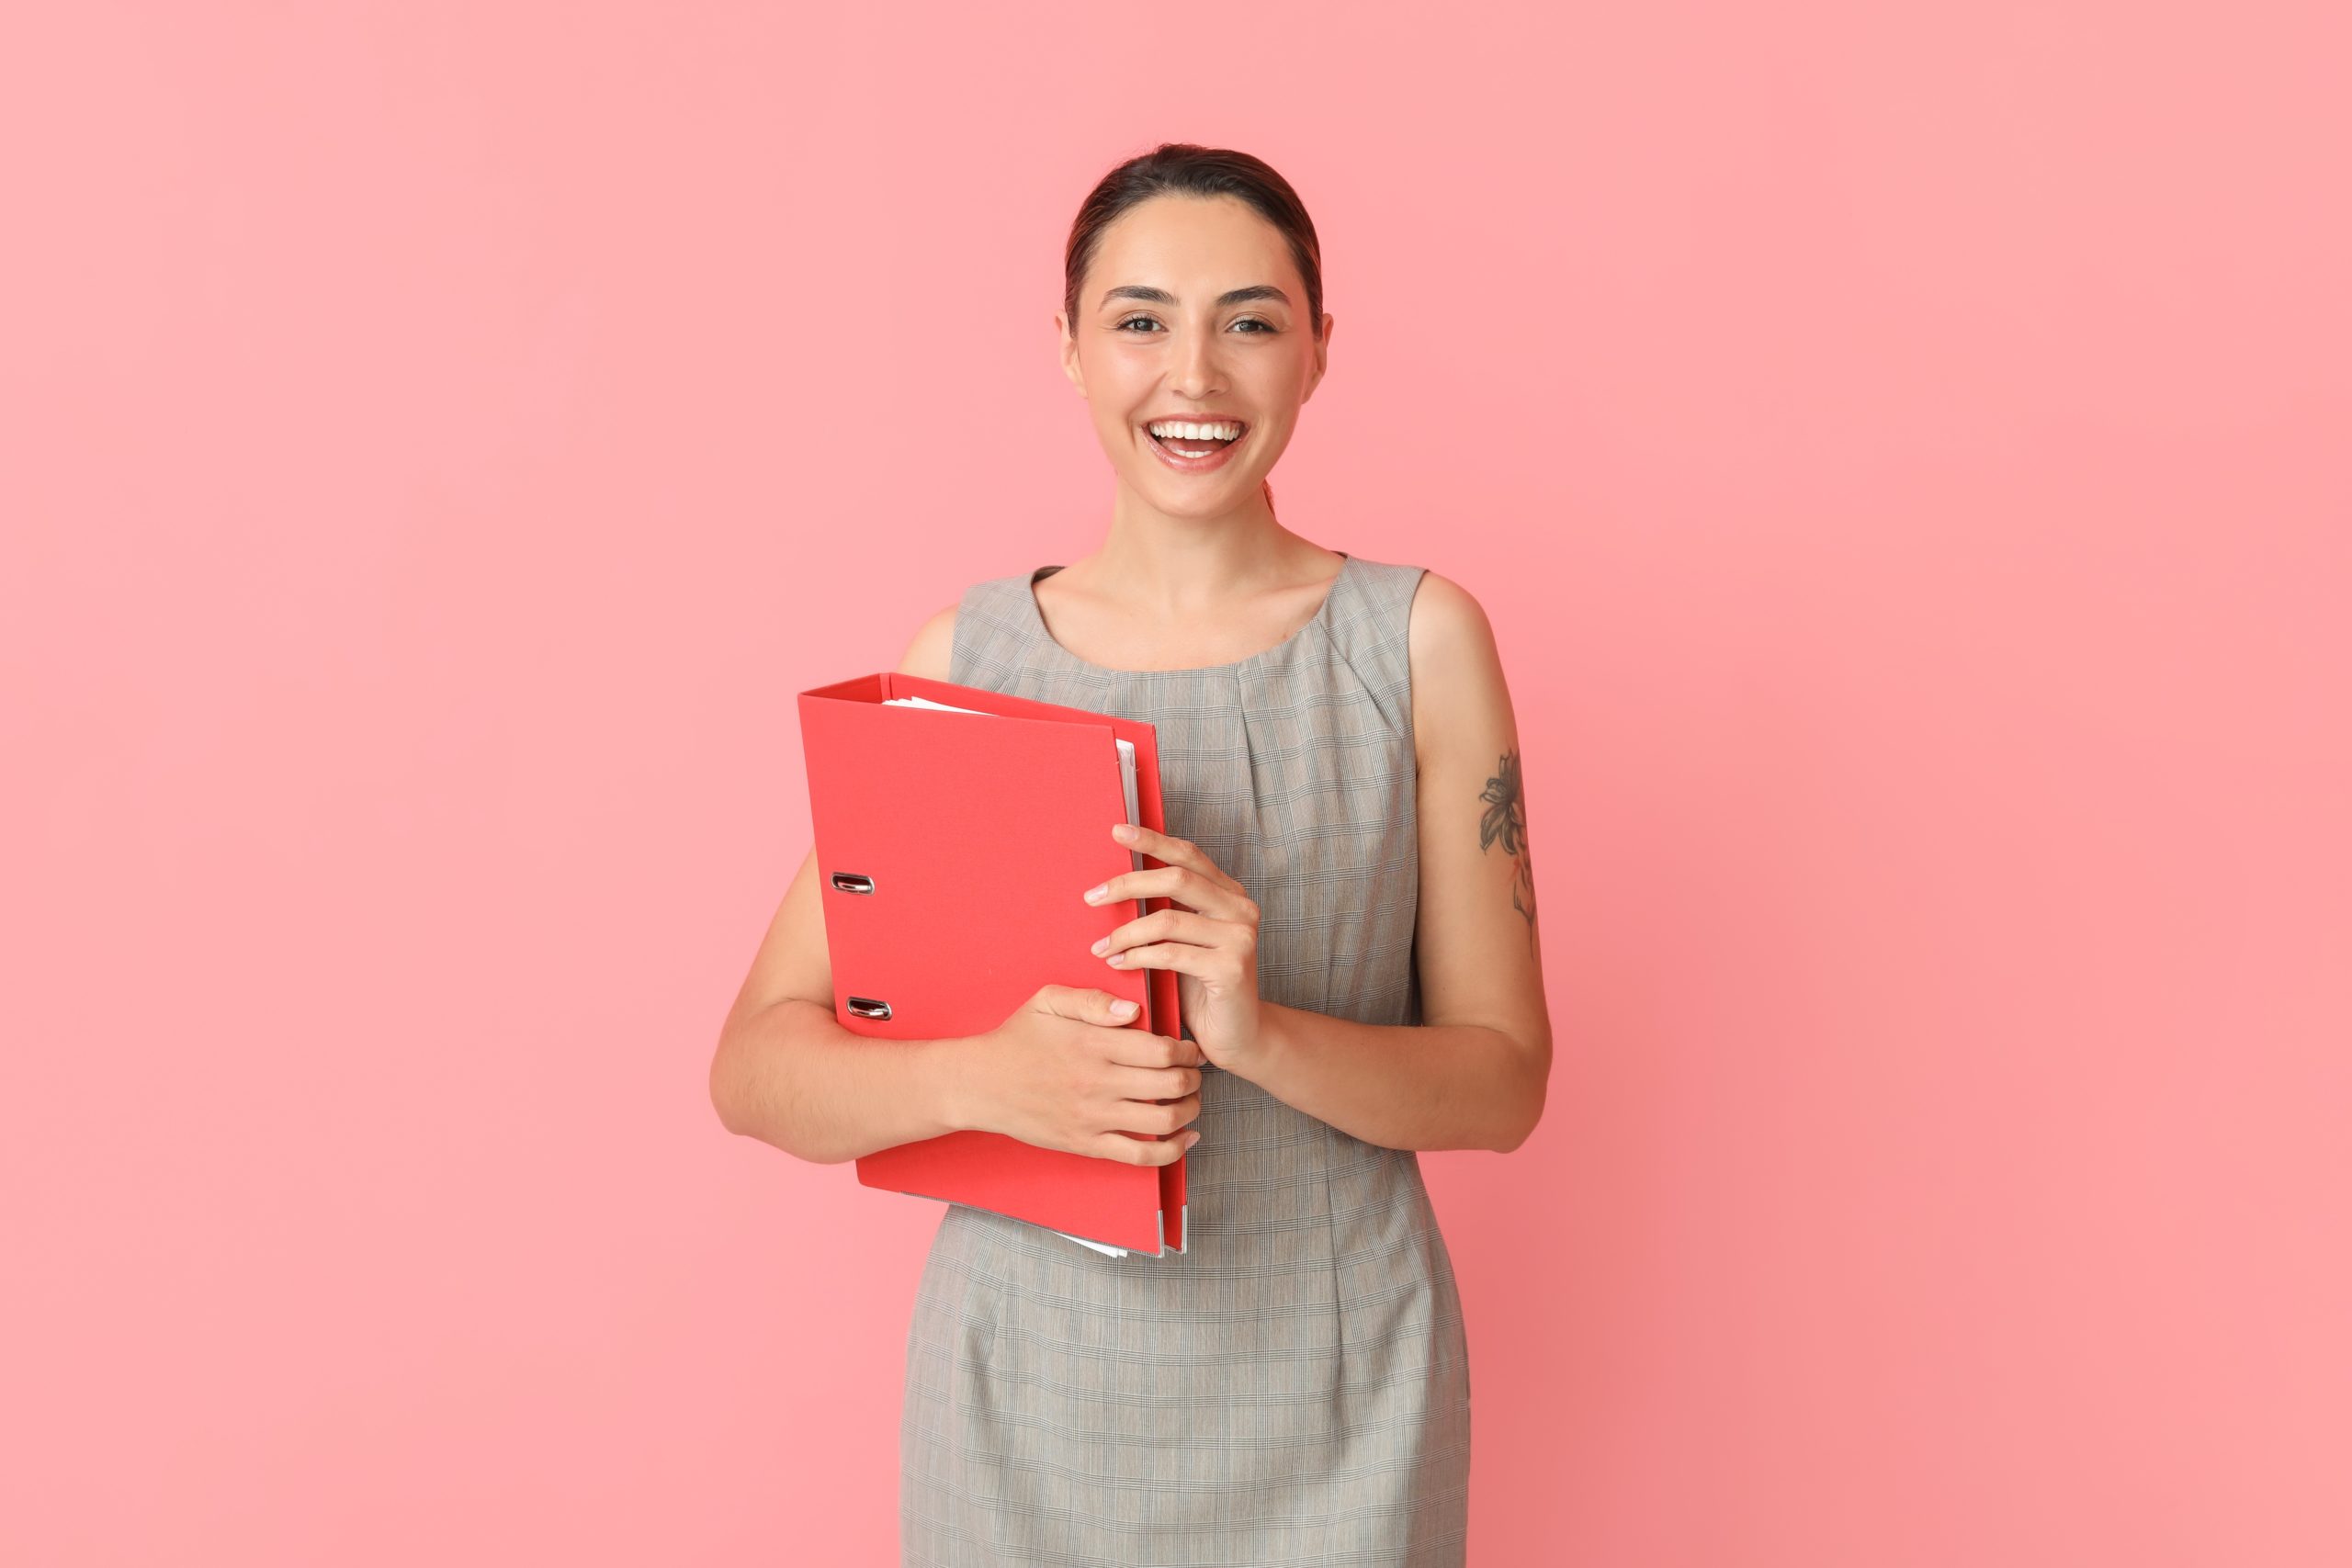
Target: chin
[{"x": 1198, "y": 500}]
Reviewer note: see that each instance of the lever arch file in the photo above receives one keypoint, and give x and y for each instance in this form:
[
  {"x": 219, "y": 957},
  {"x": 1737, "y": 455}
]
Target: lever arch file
[{"x": 956, "y": 827}]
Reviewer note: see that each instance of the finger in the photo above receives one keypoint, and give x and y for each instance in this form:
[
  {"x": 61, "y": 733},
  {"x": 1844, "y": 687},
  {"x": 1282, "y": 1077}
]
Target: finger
[
  {"x": 1173, "y": 851},
  {"x": 1168, "y": 925},
  {"x": 1139, "y": 1048},
  {"x": 1143, "y": 1151},
  {"x": 1155, "y": 1083},
  {"x": 1153, "y": 1119},
  {"x": 1183, "y": 885},
  {"x": 1215, "y": 967}
]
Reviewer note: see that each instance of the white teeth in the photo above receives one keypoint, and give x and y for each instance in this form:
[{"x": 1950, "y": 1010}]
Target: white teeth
[{"x": 1180, "y": 431}]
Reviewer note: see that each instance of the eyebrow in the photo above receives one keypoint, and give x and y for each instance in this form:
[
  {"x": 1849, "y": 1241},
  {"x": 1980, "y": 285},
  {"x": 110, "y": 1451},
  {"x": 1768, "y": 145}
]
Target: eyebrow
[{"x": 1161, "y": 297}]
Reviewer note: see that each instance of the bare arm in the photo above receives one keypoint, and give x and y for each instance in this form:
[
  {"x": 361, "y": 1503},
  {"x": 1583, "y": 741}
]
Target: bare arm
[
  {"x": 787, "y": 1072},
  {"x": 1473, "y": 1074}
]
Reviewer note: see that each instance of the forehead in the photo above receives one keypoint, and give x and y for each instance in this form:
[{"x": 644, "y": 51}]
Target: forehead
[{"x": 1190, "y": 244}]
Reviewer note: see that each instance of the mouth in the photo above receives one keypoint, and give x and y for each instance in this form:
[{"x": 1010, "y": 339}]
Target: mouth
[{"x": 1195, "y": 447}]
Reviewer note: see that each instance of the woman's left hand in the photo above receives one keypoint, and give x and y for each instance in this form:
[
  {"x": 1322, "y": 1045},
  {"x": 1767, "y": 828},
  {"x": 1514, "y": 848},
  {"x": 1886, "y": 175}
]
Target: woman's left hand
[{"x": 1209, "y": 936}]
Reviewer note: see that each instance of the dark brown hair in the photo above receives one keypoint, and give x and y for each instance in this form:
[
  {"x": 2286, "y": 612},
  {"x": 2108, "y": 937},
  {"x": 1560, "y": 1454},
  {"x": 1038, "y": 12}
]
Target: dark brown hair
[{"x": 1185, "y": 169}]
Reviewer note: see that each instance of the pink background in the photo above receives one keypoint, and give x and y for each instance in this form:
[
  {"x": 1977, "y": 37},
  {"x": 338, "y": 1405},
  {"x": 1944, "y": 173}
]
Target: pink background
[{"x": 1901, "y": 450}]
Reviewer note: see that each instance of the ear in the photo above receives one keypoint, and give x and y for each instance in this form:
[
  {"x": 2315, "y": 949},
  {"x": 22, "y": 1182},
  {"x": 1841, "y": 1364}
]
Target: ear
[
  {"x": 1322, "y": 359},
  {"x": 1070, "y": 354}
]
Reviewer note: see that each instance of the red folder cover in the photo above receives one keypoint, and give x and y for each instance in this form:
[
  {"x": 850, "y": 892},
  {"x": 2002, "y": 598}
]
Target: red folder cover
[{"x": 951, "y": 851}]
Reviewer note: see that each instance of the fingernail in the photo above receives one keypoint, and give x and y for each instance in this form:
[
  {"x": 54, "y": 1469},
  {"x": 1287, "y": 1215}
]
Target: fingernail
[
  {"x": 1094, "y": 893},
  {"x": 1099, "y": 948},
  {"x": 1122, "y": 1008},
  {"x": 1123, "y": 831},
  {"x": 1191, "y": 1138}
]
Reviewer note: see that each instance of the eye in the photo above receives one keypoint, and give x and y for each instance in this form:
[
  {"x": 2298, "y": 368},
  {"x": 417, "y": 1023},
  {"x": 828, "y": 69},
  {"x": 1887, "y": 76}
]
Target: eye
[{"x": 1262, "y": 325}]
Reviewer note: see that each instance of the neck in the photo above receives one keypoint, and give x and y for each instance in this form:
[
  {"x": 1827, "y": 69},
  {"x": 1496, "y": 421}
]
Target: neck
[{"x": 1176, "y": 566}]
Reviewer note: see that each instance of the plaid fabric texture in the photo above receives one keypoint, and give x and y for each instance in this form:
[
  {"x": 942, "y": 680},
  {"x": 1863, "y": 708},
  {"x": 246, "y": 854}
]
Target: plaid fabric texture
[{"x": 1296, "y": 1388}]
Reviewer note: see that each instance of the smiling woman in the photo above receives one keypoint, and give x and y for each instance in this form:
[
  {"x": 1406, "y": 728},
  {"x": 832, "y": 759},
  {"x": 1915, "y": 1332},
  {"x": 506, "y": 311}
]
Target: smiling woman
[
  {"x": 1354, "y": 939},
  {"x": 1295, "y": 1387},
  {"x": 1236, "y": 354}
]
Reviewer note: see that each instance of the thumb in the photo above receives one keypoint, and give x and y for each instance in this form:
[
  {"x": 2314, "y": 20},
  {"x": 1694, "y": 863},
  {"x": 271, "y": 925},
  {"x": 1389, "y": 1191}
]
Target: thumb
[{"x": 1087, "y": 1004}]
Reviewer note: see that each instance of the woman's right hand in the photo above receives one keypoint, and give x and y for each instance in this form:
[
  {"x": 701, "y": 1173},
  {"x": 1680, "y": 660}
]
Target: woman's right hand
[{"x": 1066, "y": 1072}]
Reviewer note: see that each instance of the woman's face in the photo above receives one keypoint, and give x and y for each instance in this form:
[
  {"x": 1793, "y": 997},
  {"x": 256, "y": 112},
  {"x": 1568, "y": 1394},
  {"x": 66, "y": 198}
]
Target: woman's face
[{"x": 1193, "y": 310}]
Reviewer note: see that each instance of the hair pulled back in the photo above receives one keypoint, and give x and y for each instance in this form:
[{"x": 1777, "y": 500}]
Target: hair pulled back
[{"x": 1181, "y": 168}]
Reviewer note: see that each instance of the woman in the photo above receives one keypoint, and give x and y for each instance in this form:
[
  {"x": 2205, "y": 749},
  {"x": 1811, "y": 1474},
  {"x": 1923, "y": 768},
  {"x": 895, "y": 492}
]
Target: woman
[{"x": 1353, "y": 928}]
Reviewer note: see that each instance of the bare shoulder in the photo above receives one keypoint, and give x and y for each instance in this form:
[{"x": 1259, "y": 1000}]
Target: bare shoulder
[
  {"x": 1457, "y": 671},
  {"x": 1446, "y": 615},
  {"x": 932, "y": 651}
]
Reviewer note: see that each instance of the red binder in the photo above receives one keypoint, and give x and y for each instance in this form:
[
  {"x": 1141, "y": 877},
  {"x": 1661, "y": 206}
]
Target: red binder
[{"x": 951, "y": 851}]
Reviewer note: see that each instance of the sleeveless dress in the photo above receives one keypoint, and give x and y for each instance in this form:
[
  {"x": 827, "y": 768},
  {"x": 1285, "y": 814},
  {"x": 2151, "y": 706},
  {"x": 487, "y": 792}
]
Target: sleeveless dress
[{"x": 1295, "y": 1388}]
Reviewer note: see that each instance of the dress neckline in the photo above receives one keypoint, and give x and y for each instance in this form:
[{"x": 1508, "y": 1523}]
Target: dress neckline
[{"x": 1322, "y": 614}]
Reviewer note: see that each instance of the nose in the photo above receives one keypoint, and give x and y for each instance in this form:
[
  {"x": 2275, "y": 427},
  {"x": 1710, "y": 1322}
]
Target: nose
[{"x": 1199, "y": 369}]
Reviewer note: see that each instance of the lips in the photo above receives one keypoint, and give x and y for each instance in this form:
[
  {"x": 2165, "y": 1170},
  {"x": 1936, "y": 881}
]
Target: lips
[{"x": 1196, "y": 456}]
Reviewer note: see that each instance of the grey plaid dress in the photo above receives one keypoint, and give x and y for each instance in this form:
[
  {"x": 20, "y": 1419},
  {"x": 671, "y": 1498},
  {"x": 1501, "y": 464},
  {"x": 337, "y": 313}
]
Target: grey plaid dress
[{"x": 1294, "y": 1389}]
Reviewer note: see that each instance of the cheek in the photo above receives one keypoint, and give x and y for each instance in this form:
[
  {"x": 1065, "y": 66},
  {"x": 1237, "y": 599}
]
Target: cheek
[
  {"x": 1116, "y": 387},
  {"x": 1280, "y": 378}
]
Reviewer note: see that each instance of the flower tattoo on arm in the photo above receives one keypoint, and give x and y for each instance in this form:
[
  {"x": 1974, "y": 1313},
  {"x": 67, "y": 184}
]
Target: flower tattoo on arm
[{"x": 1505, "y": 820}]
